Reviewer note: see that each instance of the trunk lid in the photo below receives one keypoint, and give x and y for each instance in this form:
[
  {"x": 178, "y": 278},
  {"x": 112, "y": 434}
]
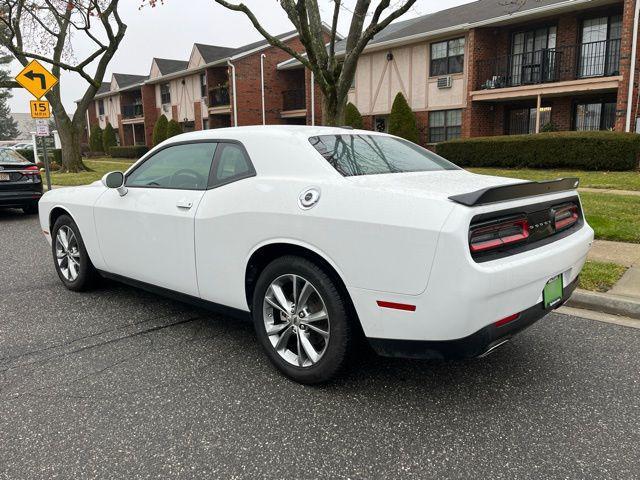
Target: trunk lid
[{"x": 436, "y": 184}]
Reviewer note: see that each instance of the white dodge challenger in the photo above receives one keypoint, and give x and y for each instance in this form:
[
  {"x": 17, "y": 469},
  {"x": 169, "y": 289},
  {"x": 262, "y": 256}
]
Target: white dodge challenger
[{"x": 322, "y": 235}]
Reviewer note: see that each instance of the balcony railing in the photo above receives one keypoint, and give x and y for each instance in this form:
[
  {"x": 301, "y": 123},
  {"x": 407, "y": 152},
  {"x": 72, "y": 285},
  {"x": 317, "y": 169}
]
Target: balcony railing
[
  {"x": 132, "y": 111},
  {"x": 219, "y": 97},
  {"x": 573, "y": 62},
  {"x": 294, "y": 99}
]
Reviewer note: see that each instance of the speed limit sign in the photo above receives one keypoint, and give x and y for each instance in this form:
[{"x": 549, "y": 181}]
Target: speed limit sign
[{"x": 39, "y": 109}]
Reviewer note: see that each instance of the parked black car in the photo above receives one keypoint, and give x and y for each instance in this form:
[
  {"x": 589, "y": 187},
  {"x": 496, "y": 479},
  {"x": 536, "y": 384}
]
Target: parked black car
[{"x": 20, "y": 182}]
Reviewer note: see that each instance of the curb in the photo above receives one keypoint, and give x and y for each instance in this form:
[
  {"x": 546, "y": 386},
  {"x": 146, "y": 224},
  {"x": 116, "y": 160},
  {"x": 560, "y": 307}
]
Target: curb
[{"x": 602, "y": 302}]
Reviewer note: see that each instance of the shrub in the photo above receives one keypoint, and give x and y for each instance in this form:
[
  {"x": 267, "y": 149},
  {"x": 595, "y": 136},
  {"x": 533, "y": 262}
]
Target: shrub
[
  {"x": 26, "y": 153},
  {"x": 548, "y": 127},
  {"x": 128, "y": 152},
  {"x": 173, "y": 129},
  {"x": 352, "y": 117},
  {"x": 108, "y": 138},
  {"x": 56, "y": 155},
  {"x": 160, "y": 130},
  {"x": 572, "y": 150},
  {"x": 95, "y": 139},
  {"x": 402, "y": 120},
  {"x": 54, "y": 166}
]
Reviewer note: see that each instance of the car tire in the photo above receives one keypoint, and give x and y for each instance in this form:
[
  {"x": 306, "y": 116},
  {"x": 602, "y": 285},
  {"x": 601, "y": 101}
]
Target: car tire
[
  {"x": 30, "y": 209},
  {"x": 70, "y": 256},
  {"x": 315, "y": 351}
]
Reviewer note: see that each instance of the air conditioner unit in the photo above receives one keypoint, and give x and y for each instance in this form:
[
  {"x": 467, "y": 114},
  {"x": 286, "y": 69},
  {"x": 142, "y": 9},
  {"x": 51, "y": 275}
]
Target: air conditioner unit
[
  {"x": 445, "y": 82},
  {"x": 166, "y": 108}
]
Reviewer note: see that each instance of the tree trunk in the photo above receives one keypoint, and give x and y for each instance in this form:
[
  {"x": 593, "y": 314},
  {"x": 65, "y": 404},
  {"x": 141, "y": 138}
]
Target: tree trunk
[
  {"x": 70, "y": 138},
  {"x": 333, "y": 109}
]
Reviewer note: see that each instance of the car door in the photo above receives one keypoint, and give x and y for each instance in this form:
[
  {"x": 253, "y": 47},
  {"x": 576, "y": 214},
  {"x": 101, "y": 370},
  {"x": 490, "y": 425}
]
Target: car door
[
  {"x": 148, "y": 233},
  {"x": 221, "y": 226}
]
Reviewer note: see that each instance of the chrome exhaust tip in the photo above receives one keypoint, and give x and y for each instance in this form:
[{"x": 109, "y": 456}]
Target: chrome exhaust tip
[{"x": 493, "y": 347}]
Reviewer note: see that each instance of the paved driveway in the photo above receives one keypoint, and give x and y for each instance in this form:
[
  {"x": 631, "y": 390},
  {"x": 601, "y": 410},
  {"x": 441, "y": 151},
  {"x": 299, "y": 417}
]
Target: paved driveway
[{"x": 119, "y": 383}]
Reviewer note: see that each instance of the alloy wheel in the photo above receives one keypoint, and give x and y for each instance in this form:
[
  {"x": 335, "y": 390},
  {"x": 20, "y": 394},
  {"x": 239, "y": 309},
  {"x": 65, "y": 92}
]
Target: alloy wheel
[
  {"x": 296, "y": 320},
  {"x": 67, "y": 253}
]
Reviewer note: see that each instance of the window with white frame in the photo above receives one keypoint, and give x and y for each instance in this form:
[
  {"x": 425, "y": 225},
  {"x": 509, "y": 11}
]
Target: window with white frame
[
  {"x": 447, "y": 57},
  {"x": 165, "y": 93},
  {"x": 445, "y": 125},
  {"x": 101, "y": 107}
]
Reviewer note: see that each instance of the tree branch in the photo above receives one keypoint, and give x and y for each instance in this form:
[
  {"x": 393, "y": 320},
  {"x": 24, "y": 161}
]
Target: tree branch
[
  {"x": 334, "y": 29},
  {"x": 241, "y": 7}
]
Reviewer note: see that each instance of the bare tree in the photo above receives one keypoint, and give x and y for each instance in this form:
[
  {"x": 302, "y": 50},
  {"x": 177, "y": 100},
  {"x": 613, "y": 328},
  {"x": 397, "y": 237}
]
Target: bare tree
[
  {"x": 333, "y": 72},
  {"x": 44, "y": 30}
]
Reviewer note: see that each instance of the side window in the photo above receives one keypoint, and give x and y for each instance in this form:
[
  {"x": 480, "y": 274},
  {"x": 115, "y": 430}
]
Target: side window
[
  {"x": 181, "y": 167},
  {"x": 232, "y": 163}
]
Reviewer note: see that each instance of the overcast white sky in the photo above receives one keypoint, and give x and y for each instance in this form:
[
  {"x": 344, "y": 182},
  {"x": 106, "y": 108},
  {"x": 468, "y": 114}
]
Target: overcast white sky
[{"x": 169, "y": 31}]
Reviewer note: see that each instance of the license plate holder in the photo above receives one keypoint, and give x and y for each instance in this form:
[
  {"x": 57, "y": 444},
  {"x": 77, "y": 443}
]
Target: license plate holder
[
  {"x": 5, "y": 177},
  {"x": 552, "y": 293}
]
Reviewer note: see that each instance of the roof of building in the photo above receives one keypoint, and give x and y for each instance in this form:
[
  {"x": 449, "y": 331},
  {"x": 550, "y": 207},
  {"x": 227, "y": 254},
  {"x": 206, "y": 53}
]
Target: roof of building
[
  {"x": 468, "y": 13},
  {"x": 213, "y": 53},
  {"x": 125, "y": 80},
  {"x": 168, "y": 66},
  {"x": 261, "y": 43},
  {"x": 105, "y": 87}
]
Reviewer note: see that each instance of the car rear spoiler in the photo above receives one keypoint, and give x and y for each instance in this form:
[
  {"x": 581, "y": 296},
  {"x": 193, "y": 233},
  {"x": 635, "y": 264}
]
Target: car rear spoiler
[{"x": 503, "y": 193}]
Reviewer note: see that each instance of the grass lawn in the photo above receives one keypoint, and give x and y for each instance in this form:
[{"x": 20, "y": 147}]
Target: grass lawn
[
  {"x": 100, "y": 166},
  {"x": 611, "y": 180},
  {"x": 613, "y": 217},
  {"x": 600, "y": 276}
]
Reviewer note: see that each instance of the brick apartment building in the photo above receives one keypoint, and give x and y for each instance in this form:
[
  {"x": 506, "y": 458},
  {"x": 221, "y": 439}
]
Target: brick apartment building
[
  {"x": 199, "y": 92},
  {"x": 478, "y": 69}
]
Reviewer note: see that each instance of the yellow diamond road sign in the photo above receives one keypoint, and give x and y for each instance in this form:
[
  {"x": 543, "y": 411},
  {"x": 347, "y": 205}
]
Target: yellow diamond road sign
[{"x": 36, "y": 79}]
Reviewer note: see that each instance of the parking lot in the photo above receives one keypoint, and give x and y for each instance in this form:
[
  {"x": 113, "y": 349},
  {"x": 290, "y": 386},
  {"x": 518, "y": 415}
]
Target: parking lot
[{"x": 120, "y": 383}]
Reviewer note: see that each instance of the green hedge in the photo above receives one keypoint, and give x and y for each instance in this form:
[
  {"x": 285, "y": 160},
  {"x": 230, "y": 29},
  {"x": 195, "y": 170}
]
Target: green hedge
[
  {"x": 56, "y": 153},
  {"x": 28, "y": 154},
  {"x": 128, "y": 152},
  {"x": 571, "y": 150},
  {"x": 352, "y": 117}
]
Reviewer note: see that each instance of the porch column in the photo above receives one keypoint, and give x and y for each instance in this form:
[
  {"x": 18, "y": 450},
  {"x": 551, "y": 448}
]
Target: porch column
[
  {"x": 133, "y": 127},
  {"x": 538, "y": 113}
]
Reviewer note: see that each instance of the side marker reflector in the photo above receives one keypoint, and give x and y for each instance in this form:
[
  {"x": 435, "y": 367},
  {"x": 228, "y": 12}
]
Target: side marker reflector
[
  {"x": 506, "y": 320},
  {"x": 397, "y": 306}
]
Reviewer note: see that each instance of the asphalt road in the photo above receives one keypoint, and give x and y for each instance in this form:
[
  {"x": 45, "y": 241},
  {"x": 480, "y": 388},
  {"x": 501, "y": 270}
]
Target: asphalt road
[{"x": 119, "y": 383}]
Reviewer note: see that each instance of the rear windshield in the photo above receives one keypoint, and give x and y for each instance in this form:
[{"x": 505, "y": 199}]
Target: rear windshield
[
  {"x": 8, "y": 155},
  {"x": 375, "y": 154}
]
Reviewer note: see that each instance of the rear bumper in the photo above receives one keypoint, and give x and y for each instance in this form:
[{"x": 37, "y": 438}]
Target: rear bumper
[
  {"x": 19, "y": 198},
  {"x": 474, "y": 345}
]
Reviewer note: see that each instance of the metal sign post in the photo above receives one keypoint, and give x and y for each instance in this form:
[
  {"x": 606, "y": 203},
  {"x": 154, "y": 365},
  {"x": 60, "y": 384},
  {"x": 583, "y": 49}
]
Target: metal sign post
[
  {"x": 42, "y": 130},
  {"x": 47, "y": 168}
]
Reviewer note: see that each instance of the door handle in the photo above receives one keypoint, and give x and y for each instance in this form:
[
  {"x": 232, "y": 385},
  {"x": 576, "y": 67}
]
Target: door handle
[{"x": 186, "y": 204}]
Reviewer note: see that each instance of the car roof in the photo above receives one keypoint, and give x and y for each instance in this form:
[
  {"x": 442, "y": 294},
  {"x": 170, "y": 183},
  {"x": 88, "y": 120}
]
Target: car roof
[{"x": 274, "y": 131}]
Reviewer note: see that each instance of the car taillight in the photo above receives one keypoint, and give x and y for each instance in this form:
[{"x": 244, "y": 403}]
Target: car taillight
[
  {"x": 565, "y": 216},
  {"x": 33, "y": 170},
  {"x": 498, "y": 234}
]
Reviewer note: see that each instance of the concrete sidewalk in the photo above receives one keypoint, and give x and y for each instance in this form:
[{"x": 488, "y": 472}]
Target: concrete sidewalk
[
  {"x": 624, "y": 297},
  {"x": 627, "y": 254}
]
